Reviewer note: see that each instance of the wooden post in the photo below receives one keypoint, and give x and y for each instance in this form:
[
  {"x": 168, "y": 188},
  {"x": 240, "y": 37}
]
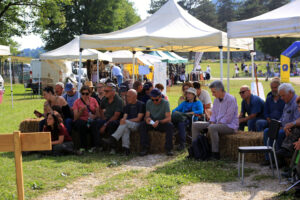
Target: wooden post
[{"x": 19, "y": 167}]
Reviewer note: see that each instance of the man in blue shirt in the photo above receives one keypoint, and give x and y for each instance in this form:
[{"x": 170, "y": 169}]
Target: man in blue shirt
[
  {"x": 116, "y": 71},
  {"x": 273, "y": 106},
  {"x": 71, "y": 94},
  {"x": 253, "y": 106}
]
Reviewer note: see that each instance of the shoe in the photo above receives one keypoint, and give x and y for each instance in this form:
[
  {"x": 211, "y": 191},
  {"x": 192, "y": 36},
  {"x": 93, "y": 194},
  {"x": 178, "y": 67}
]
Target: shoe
[
  {"x": 78, "y": 153},
  {"x": 112, "y": 152},
  {"x": 215, "y": 156},
  {"x": 170, "y": 153},
  {"x": 111, "y": 141},
  {"x": 126, "y": 151},
  {"x": 265, "y": 163},
  {"x": 181, "y": 147},
  {"x": 143, "y": 153},
  {"x": 283, "y": 153}
]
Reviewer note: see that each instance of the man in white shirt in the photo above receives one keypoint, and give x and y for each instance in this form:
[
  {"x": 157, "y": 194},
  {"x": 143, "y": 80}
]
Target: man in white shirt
[{"x": 204, "y": 97}]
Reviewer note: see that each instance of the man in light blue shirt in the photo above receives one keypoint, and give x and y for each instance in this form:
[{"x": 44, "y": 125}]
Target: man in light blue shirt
[
  {"x": 71, "y": 94},
  {"x": 116, "y": 71}
]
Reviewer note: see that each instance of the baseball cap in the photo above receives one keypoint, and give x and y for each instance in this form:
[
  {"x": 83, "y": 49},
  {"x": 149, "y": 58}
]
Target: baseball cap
[
  {"x": 124, "y": 87},
  {"x": 69, "y": 87},
  {"x": 155, "y": 92},
  {"x": 192, "y": 90}
]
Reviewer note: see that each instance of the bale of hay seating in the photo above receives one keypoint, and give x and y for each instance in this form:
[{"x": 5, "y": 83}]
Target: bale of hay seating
[
  {"x": 229, "y": 145},
  {"x": 30, "y": 125},
  {"x": 157, "y": 141}
]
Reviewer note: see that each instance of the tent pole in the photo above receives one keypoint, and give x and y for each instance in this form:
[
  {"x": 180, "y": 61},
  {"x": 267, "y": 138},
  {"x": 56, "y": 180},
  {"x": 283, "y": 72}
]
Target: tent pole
[
  {"x": 221, "y": 61},
  {"x": 97, "y": 70},
  {"x": 11, "y": 87},
  {"x": 228, "y": 64},
  {"x": 80, "y": 63},
  {"x": 252, "y": 64},
  {"x": 133, "y": 65}
]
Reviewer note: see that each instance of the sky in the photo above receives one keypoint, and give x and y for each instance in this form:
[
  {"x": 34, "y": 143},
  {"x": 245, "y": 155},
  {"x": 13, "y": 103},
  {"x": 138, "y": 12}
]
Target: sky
[{"x": 33, "y": 41}]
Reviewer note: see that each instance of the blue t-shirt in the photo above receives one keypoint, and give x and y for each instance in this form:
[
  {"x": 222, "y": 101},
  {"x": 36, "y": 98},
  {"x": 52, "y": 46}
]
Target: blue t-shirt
[
  {"x": 116, "y": 71},
  {"x": 273, "y": 110},
  {"x": 256, "y": 106},
  {"x": 71, "y": 99}
]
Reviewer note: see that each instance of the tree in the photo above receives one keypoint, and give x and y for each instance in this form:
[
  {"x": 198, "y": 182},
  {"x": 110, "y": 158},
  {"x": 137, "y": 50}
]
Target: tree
[
  {"x": 89, "y": 17},
  {"x": 205, "y": 11},
  {"x": 155, "y": 5},
  {"x": 251, "y": 8},
  {"x": 226, "y": 11},
  {"x": 18, "y": 16}
]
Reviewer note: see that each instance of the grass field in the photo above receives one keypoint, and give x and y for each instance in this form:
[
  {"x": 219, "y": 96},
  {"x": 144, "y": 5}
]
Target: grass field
[{"x": 42, "y": 174}]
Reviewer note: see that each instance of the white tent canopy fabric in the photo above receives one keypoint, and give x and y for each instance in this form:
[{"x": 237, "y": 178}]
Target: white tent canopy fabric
[
  {"x": 70, "y": 51},
  {"x": 171, "y": 28},
  {"x": 4, "y": 50},
  {"x": 281, "y": 22}
]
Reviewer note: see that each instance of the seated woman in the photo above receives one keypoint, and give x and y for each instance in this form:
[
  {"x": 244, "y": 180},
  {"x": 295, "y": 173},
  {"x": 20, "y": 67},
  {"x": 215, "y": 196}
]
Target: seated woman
[
  {"x": 60, "y": 139},
  {"x": 52, "y": 100},
  {"x": 182, "y": 114},
  {"x": 184, "y": 87},
  {"x": 85, "y": 110}
]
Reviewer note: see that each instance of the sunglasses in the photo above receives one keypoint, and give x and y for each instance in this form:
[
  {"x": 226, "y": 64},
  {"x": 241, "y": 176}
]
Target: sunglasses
[
  {"x": 107, "y": 91},
  {"x": 155, "y": 100},
  {"x": 85, "y": 93},
  {"x": 242, "y": 92}
]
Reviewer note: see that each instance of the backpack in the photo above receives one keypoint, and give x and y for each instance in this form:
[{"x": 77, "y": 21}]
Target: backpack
[{"x": 200, "y": 149}]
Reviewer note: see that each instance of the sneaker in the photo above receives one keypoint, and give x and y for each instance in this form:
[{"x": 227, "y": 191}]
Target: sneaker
[
  {"x": 112, "y": 152},
  {"x": 111, "y": 141},
  {"x": 126, "y": 151},
  {"x": 170, "y": 153}
]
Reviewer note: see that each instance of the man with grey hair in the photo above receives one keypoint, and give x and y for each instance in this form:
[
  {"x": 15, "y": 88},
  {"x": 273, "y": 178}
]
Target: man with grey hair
[
  {"x": 133, "y": 114},
  {"x": 289, "y": 116},
  {"x": 224, "y": 118},
  {"x": 273, "y": 107},
  {"x": 59, "y": 89}
]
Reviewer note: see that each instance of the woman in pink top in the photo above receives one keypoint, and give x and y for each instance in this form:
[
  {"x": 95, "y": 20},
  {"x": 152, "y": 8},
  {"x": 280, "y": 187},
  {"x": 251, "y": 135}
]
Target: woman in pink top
[{"x": 85, "y": 111}]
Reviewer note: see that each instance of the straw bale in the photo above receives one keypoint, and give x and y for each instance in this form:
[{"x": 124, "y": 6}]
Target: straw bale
[
  {"x": 30, "y": 125},
  {"x": 229, "y": 145}
]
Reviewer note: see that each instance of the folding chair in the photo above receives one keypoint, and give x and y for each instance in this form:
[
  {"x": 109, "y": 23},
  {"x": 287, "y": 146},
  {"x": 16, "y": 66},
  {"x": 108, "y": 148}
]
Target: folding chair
[{"x": 272, "y": 134}]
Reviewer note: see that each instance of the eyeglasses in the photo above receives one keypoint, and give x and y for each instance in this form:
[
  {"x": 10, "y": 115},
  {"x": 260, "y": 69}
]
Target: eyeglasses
[
  {"x": 107, "y": 91},
  {"x": 155, "y": 99},
  {"x": 85, "y": 93},
  {"x": 100, "y": 87},
  {"x": 242, "y": 92}
]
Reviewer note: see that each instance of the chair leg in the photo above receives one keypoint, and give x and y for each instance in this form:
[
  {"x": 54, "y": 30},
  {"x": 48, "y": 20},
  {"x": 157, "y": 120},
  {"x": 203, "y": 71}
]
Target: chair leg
[
  {"x": 239, "y": 160},
  {"x": 271, "y": 163},
  {"x": 289, "y": 188},
  {"x": 243, "y": 156},
  {"x": 276, "y": 163}
]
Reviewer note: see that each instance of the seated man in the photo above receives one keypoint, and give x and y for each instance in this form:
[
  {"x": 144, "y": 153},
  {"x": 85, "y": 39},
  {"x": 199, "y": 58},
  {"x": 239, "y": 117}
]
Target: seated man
[
  {"x": 205, "y": 99},
  {"x": 289, "y": 116},
  {"x": 133, "y": 114},
  {"x": 138, "y": 86},
  {"x": 253, "y": 106},
  {"x": 123, "y": 91},
  {"x": 158, "y": 117},
  {"x": 273, "y": 106},
  {"x": 59, "y": 89},
  {"x": 223, "y": 120},
  {"x": 71, "y": 94},
  {"x": 110, "y": 113},
  {"x": 148, "y": 86}
]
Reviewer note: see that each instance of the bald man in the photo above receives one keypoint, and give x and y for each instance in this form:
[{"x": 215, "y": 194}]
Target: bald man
[
  {"x": 253, "y": 106},
  {"x": 133, "y": 114}
]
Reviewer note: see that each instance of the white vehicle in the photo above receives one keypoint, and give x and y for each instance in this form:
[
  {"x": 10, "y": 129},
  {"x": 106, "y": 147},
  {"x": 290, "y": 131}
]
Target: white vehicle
[{"x": 2, "y": 83}]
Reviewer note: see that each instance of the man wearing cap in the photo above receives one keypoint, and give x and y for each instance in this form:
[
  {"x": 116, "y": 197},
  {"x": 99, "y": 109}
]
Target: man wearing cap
[
  {"x": 59, "y": 89},
  {"x": 224, "y": 118},
  {"x": 148, "y": 86},
  {"x": 133, "y": 114},
  {"x": 123, "y": 91},
  {"x": 71, "y": 94},
  {"x": 110, "y": 112},
  {"x": 158, "y": 117},
  {"x": 182, "y": 114},
  {"x": 116, "y": 71}
]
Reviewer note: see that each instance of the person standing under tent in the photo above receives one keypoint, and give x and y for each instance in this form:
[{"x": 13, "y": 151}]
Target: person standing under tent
[{"x": 117, "y": 72}]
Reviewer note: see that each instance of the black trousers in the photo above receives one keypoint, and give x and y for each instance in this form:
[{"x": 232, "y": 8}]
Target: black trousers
[
  {"x": 81, "y": 134},
  {"x": 166, "y": 127}
]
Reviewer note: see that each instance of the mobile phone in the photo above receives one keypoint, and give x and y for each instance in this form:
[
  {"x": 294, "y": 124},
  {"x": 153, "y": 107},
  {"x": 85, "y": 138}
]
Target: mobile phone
[
  {"x": 37, "y": 113},
  {"x": 152, "y": 122}
]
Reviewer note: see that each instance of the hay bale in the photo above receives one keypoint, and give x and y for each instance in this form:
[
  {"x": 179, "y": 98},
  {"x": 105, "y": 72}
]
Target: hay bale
[
  {"x": 157, "y": 141},
  {"x": 229, "y": 145},
  {"x": 30, "y": 125}
]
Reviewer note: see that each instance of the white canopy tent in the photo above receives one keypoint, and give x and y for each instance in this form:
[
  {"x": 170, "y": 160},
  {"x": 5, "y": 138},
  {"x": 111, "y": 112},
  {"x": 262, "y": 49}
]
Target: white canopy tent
[
  {"x": 71, "y": 51},
  {"x": 5, "y": 51},
  {"x": 281, "y": 22},
  {"x": 171, "y": 28}
]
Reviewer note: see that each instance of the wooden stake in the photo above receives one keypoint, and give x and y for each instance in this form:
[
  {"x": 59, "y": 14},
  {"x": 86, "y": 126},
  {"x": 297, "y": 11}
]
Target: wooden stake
[{"x": 19, "y": 168}]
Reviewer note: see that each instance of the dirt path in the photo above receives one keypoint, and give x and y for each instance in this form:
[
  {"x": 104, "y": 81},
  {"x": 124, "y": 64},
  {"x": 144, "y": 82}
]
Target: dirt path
[
  {"x": 78, "y": 189},
  {"x": 252, "y": 189}
]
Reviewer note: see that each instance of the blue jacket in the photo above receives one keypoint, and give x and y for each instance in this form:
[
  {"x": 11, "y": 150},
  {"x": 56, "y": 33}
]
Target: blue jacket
[{"x": 184, "y": 107}]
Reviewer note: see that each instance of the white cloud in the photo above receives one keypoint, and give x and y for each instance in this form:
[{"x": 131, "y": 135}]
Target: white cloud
[{"x": 29, "y": 41}]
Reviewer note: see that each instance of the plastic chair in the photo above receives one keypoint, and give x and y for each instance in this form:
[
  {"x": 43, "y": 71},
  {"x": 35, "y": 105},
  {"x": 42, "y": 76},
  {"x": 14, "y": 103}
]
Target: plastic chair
[{"x": 272, "y": 134}]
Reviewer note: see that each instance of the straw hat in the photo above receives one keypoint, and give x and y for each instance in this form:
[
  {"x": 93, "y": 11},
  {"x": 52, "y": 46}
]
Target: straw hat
[{"x": 89, "y": 83}]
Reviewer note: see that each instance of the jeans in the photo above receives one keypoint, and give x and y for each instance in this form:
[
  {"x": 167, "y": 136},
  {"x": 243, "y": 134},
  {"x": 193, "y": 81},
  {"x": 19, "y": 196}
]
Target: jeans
[
  {"x": 68, "y": 124},
  {"x": 166, "y": 127},
  {"x": 261, "y": 124},
  {"x": 280, "y": 138},
  {"x": 119, "y": 79},
  {"x": 250, "y": 123}
]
